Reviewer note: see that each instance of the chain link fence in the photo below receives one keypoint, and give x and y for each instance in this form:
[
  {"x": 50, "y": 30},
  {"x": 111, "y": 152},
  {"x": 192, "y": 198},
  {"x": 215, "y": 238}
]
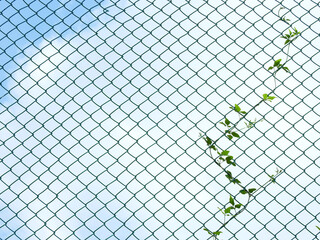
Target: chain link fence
[{"x": 101, "y": 107}]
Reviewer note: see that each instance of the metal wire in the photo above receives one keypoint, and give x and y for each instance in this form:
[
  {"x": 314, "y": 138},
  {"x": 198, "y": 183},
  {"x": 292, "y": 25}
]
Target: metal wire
[{"x": 101, "y": 107}]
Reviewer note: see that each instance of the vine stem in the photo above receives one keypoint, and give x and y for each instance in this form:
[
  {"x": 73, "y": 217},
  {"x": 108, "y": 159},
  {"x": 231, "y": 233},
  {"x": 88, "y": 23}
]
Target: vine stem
[
  {"x": 224, "y": 170},
  {"x": 241, "y": 117},
  {"x": 248, "y": 201},
  {"x": 215, "y": 161}
]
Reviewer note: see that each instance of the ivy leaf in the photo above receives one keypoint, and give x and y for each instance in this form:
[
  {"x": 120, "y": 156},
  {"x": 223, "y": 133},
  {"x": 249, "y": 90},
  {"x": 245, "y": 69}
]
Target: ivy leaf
[
  {"x": 208, "y": 231},
  {"x": 251, "y": 190},
  {"x": 265, "y": 96},
  {"x": 277, "y": 62},
  {"x": 238, "y": 205},
  {"x": 225, "y": 153},
  {"x": 243, "y": 191},
  {"x": 286, "y": 69},
  {"x": 237, "y": 108},
  {"x": 231, "y": 200},
  {"x": 223, "y": 124},
  {"x": 208, "y": 140},
  {"x": 213, "y": 147},
  {"x": 229, "y": 160},
  {"x": 271, "y": 97},
  {"x": 235, "y": 134},
  {"x": 272, "y": 179},
  {"x": 229, "y": 175},
  {"x": 217, "y": 233},
  {"x": 227, "y": 210},
  {"x": 236, "y": 181}
]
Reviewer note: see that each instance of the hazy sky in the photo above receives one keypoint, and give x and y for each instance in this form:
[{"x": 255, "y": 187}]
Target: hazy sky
[{"x": 102, "y": 104}]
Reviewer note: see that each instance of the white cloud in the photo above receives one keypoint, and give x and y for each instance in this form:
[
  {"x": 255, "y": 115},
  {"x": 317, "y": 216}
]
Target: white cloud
[{"x": 104, "y": 129}]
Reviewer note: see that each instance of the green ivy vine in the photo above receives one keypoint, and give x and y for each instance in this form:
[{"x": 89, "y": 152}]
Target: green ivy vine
[{"x": 222, "y": 157}]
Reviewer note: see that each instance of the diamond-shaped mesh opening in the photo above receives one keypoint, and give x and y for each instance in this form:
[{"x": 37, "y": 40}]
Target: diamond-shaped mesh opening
[{"x": 102, "y": 103}]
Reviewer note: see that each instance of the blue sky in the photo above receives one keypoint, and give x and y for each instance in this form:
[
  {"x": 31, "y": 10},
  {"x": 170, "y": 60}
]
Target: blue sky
[
  {"x": 25, "y": 26},
  {"x": 102, "y": 104}
]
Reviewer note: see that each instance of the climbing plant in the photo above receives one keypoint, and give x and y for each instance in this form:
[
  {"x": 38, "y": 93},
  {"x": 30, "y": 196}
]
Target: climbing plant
[{"x": 224, "y": 159}]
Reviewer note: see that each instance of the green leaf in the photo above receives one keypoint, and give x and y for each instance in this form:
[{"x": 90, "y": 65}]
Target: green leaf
[
  {"x": 208, "y": 231},
  {"x": 225, "y": 153},
  {"x": 286, "y": 42},
  {"x": 243, "y": 112},
  {"x": 229, "y": 160},
  {"x": 227, "y": 210},
  {"x": 213, "y": 147},
  {"x": 268, "y": 98},
  {"x": 251, "y": 190},
  {"x": 231, "y": 200},
  {"x": 229, "y": 136},
  {"x": 277, "y": 62},
  {"x": 237, "y": 108},
  {"x": 243, "y": 191},
  {"x": 286, "y": 69},
  {"x": 208, "y": 140},
  {"x": 238, "y": 205},
  {"x": 271, "y": 97},
  {"x": 237, "y": 181},
  {"x": 234, "y": 180},
  {"x": 235, "y": 134},
  {"x": 229, "y": 175},
  {"x": 217, "y": 233},
  {"x": 227, "y": 121},
  {"x": 318, "y": 227},
  {"x": 270, "y": 68},
  {"x": 223, "y": 123},
  {"x": 272, "y": 178},
  {"x": 265, "y": 96}
]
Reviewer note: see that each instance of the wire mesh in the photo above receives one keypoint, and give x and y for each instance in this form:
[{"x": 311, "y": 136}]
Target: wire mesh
[{"x": 101, "y": 107}]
